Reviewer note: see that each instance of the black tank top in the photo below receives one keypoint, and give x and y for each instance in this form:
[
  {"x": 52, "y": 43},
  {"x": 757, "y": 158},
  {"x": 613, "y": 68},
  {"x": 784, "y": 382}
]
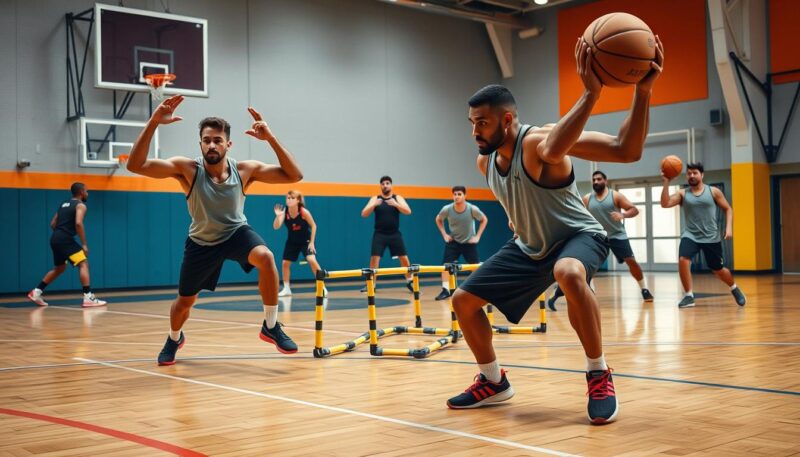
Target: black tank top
[
  {"x": 387, "y": 218},
  {"x": 65, "y": 225},
  {"x": 299, "y": 230}
]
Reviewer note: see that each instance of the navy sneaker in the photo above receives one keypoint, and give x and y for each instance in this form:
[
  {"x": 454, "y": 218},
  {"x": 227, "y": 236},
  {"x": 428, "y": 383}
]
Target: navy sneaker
[
  {"x": 443, "y": 295},
  {"x": 278, "y": 337},
  {"x": 603, "y": 405},
  {"x": 167, "y": 354},
  {"x": 687, "y": 302},
  {"x": 551, "y": 303},
  {"x": 482, "y": 392},
  {"x": 737, "y": 293},
  {"x": 646, "y": 295}
]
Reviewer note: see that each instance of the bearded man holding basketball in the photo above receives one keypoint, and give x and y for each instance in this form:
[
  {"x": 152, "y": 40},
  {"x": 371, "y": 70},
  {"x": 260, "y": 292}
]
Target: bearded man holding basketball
[
  {"x": 215, "y": 187},
  {"x": 556, "y": 239}
]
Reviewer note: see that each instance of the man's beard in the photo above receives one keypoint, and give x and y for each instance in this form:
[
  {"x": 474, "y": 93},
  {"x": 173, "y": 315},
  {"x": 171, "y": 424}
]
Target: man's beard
[
  {"x": 497, "y": 140},
  {"x": 386, "y": 193},
  {"x": 598, "y": 187},
  {"x": 693, "y": 181},
  {"x": 213, "y": 160}
]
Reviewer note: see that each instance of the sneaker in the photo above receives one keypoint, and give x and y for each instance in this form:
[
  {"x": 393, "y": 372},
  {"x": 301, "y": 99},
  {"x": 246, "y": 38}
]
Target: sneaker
[
  {"x": 278, "y": 337},
  {"x": 737, "y": 294},
  {"x": 167, "y": 354},
  {"x": 36, "y": 296},
  {"x": 443, "y": 295},
  {"x": 687, "y": 302},
  {"x": 90, "y": 301},
  {"x": 285, "y": 292},
  {"x": 410, "y": 286},
  {"x": 646, "y": 295},
  {"x": 482, "y": 392},
  {"x": 603, "y": 406},
  {"x": 324, "y": 291},
  {"x": 551, "y": 303}
]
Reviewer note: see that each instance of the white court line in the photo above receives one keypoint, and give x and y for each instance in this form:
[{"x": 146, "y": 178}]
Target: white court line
[
  {"x": 351, "y": 412},
  {"x": 161, "y": 332},
  {"x": 211, "y": 321},
  {"x": 113, "y": 343}
]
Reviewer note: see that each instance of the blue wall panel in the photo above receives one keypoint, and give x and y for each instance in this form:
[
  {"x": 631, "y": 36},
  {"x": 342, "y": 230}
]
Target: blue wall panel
[{"x": 136, "y": 239}]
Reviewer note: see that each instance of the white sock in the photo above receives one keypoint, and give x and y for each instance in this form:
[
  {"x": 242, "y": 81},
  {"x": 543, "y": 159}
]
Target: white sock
[
  {"x": 643, "y": 283},
  {"x": 175, "y": 335},
  {"x": 491, "y": 370},
  {"x": 734, "y": 286},
  {"x": 598, "y": 364},
  {"x": 271, "y": 315},
  {"x": 37, "y": 291},
  {"x": 689, "y": 294},
  {"x": 446, "y": 285}
]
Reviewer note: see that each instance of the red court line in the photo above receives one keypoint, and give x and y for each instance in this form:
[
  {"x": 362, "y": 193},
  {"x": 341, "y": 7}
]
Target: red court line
[{"x": 160, "y": 445}]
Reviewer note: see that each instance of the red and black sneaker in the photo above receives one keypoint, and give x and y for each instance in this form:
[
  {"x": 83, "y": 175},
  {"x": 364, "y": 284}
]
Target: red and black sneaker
[
  {"x": 167, "y": 354},
  {"x": 482, "y": 392},
  {"x": 603, "y": 405}
]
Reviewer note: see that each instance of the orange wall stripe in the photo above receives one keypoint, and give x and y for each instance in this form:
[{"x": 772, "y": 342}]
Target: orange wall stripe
[
  {"x": 784, "y": 15},
  {"x": 62, "y": 181},
  {"x": 681, "y": 25}
]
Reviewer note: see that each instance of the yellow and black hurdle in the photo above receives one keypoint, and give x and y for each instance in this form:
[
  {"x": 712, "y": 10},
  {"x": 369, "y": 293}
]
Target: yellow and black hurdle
[
  {"x": 519, "y": 330},
  {"x": 448, "y": 335}
]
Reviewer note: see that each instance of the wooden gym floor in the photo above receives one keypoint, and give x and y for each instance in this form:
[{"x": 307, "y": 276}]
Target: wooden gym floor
[{"x": 713, "y": 380}]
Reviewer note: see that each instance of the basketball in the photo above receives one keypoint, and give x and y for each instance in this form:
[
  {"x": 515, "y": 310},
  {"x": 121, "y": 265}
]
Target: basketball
[
  {"x": 671, "y": 166},
  {"x": 623, "y": 47}
]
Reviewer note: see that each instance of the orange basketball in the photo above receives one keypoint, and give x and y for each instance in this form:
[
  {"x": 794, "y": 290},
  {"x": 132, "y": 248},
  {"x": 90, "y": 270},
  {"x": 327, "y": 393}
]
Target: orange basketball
[
  {"x": 623, "y": 48},
  {"x": 671, "y": 166}
]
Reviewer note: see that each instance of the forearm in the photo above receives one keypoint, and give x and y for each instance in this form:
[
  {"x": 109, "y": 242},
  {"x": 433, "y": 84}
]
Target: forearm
[
  {"x": 633, "y": 132},
  {"x": 665, "y": 196},
  {"x": 286, "y": 160},
  {"x": 276, "y": 224},
  {"x": 81, "y": 233},
  {"x": 729, "y": 218},
  {"x": 313, "y": 234},
  {"x": 440, "y": 226},
  {"x": 630, "y": 212},
  {"x": 568, "y": 129},
  {"x": 482, "y": 227},
  {"x": 141, "y": 147}
]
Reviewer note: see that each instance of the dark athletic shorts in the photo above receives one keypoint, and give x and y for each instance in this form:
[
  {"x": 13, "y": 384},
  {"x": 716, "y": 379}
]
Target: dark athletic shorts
[
  {"x": 393, "y": 240},
  {"x": 621, "y": 249},
  {"x": 511, "y": 281},
  {"x": 66, "y": 249},
  {"x": 202, "y": 264},
  {"x": 292, "y": 250},
  {"x": 453, "y": 250},
  {"x": 712, "y": 251}
]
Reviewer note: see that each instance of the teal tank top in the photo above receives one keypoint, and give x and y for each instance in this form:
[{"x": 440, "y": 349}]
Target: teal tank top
[
  {"x": 700, "y": 216},
  {"x": 601, "y": 210},
  {"x": 217, "y": 209},
  {"x": 544, "y": 218}
]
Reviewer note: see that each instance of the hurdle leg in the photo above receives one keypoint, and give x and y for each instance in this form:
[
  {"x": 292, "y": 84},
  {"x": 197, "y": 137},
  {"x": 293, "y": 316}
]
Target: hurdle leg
[
  {"x": 417, "y": 305},
  {"x": 319, "y": 351},
  {"x": 454, "y": 321},
  {"x": 372, "y": 315}
]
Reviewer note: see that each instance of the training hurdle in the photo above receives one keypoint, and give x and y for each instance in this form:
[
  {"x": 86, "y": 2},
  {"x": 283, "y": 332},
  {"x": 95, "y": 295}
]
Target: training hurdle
[
  {"x": 511, "y": 329},
  {"x": 448, "y": 335}
]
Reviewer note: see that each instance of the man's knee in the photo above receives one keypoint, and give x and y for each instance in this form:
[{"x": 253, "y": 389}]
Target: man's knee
[{"x": 569, "y": 272}]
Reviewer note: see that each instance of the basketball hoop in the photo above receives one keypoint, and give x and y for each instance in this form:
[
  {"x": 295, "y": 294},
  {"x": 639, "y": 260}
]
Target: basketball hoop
[
  {"x": 157, "y": 83},
  {"x": 123, "y": 159}
]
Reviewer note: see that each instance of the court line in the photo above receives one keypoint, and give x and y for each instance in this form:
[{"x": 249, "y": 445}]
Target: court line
[
  {"x": 149, "y": 442},
  {"x": 336, "y": 409},
  {"x": 210, "y": 321},
  {"x": 161, "y": 332},
  {"x": 128, "y": 343}
]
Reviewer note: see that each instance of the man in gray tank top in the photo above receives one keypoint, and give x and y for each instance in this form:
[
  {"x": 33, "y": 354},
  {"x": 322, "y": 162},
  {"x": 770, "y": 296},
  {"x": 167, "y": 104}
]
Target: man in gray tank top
[
  {"x": 529, "y": 170},
  {"x": 611, "y": 209},
  {"x": 215, "y": 188},
  {"x": 701, "y": 231},
  {"x": 462, "y": 239}
]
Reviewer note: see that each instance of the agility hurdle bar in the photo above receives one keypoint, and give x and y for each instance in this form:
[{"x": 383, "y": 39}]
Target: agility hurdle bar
[
  {"x": 449, "y": 336},
  {"x": 542, "y": 328}
]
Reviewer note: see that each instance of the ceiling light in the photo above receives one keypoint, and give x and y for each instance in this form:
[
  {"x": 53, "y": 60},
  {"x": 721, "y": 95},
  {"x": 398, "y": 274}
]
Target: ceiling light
[{"x": 540, "y": 2}]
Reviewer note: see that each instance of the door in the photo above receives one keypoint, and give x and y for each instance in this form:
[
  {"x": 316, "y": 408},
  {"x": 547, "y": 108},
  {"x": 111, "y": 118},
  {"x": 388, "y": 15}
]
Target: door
[
  {"x": 790, "y": 225},
  {"x": 655, "y": 233}
]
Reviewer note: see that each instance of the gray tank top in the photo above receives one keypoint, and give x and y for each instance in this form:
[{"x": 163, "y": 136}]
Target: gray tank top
[
  {"x": 217, "y": 209},
  {"x": 544, "y": 218},
  {"x": 700, "y": 216},
  {"x": 601, "y": 210}
]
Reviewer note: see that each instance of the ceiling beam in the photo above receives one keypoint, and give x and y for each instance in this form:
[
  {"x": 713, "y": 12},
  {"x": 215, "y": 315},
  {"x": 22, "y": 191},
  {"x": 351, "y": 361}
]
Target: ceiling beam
[{"x": 449, "y": 9}]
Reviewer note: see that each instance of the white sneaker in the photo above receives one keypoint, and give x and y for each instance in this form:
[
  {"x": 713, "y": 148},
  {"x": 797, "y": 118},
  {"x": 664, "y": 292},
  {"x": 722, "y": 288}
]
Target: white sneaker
[
  {"x": 90, "y": 301},
  {"x": 324, "y": 291},
  {"x": 36, "y": 296},
  {"x": 285, "y": 292}
]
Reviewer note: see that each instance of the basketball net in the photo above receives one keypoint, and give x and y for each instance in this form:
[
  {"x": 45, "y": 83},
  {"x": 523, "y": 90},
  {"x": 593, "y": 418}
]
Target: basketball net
[{"x": 157, "y": 82}]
